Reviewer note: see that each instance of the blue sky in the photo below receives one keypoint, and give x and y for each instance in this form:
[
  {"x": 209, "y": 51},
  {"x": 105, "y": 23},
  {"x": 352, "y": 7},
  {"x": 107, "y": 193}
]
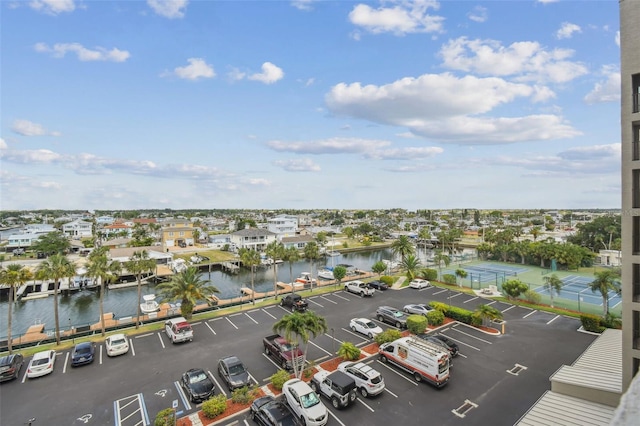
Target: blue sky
[{"x": 309, "y": 104}]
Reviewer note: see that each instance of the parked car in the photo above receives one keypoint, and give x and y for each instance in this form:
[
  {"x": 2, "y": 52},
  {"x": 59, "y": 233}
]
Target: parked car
[
  {"x": 453, "y": 346},
  {"x": 116, "y": 344},
  {"x": 268, "y": 411},
  {"x": 305, "y": 403},
  {"x": 418, "y": 308},
  {"x": 83, "y": 353},
  {"x": 359, "y": 287},
  {"x": 365, "y": 326},
  {"x": 178, "y": 330},
  {"x": 18, "y": 252},
  {"x": 453, "y": 351},
  {"x": 295, "y": 302},
  {"x": 233, "y": 372},
  {"x": 41, "y": 364},
  {"x": 368, "y": 380},
  {"x": 392, "y": 316},
  {"x": 419, "y": 283},
  {"x": 197, "y": 384},
  {"x": 337, "y": 386},
  {"x": 378, "y": 285},
  {"x": 10, "y": 366}
]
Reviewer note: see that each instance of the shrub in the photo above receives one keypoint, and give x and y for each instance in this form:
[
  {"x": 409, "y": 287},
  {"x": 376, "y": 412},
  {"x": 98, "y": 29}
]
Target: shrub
[
  {"x": 430, "y": 274},
  {"x": 388, "y": 280},
  {"x": 345, "y": 245},
  {"x": 449, "y": 279},
  {"x": 278, "y": 378},
  {"x": 591, "y": 323},
  {"x": 349, "y": 351},
  {"x": 308, "y": 371},
  {"x": 388, "y": 336},
  {"x": 435, "y": 317},
  {"x": 611, "y": 321},
  {"x": 514, "y": 288},
  {"x": 532, "y": 296},
  {"x": 475, "y": 319},
  {"x": 165, "y": 417},
  {"x": 244, "y": 395},
  {"x": 439, "y": 306},
  {"x": 416, "y": 324},
  {"x": 214, "y": 406}
]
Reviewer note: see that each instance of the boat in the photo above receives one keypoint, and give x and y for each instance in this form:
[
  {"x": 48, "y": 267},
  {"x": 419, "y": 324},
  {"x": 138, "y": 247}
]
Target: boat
[
  {"x": 332, "y": 253},
  {"x": 149, "y": 305},
  {"x": 306, "y": 279},
  {"x": 178, "y": 265},
  {"x": 326, "y": 274}
]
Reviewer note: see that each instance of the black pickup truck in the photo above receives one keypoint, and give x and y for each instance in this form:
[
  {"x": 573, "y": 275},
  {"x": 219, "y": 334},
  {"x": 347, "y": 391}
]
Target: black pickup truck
[{"x": 295, "y": 302}]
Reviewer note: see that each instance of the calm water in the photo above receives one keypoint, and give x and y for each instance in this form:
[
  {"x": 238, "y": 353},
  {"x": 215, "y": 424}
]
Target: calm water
[{"x": 83, "y": 308}]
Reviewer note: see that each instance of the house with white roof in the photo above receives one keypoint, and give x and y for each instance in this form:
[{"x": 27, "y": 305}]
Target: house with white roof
[{"x": 78, "y": 229}]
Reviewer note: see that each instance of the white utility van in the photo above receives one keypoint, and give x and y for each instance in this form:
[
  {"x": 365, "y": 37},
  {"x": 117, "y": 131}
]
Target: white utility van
[{"x": 425, "y": 360}]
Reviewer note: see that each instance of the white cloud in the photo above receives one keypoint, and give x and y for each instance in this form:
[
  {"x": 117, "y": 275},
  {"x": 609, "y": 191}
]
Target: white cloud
[
  {"x": 196, "y": 70},
  {"x": 28, "y": 128},
  {"x": 618, "y": 38},
  {"x": 607, "y": 90},
  {"x": 410, "y": 153},
  {"x": 53, "y": 7},
  {"x": 478, "y": 14},
  {"x": 235, "y": 74},
  {"x": 3, "y": 144},
  {"x": 431, "y": 106},
  {"x": 270, "y": 74},
  {"x": 303, "y": 4},
  {"x": 59, "y": 50},
  {"x": 593, "y": 153},
  {"x": 525, "y": 61},
  {"x": 403, "y": 18},
  {"x": 169, "y": 8},
  {"x": 329, "y": 146},
  {"x": 567, "y": 30},
  {"x": 298, "y": 165}
]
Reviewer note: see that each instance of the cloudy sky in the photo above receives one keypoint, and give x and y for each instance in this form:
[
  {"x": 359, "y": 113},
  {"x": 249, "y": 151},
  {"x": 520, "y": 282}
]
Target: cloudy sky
[{"x": 309, "y": 104}]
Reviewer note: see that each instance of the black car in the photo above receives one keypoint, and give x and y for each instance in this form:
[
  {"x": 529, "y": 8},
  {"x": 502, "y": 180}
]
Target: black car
[
  {"x": 197, "y": 384},
  {"x": 83, "y": 353},
  {"x": 10, "y": 366},
  {"x": 268, "y": 411},
  {"x": 378, "y": 285},
  {"x": 437, "y": 339},
  {"x": 233, "y": 372},
  {"x": 453, "y": 346},
  {"x": 392, "y": 316},
  {"x": 295, "y": 302}
]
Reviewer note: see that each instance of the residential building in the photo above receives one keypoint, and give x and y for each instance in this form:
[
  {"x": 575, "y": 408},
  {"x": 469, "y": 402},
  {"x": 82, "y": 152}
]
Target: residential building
[
  {"x": 298, "y": 241},
  {"x": 609, "y": 258},
  {"x": 283, "y": 225},
  {"x": 117, "y": 229},
  {"x": 630, "y": 141},
  {"x": 78, "y": 229},
  {"x": 252, "y": 239},
  {"x": 173, "y": 236}
]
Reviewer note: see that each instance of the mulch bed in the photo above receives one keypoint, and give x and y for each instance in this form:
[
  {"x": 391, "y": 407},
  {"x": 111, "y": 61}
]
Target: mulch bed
[
  {"x": 232, "y": 408},
  {"x": 332, "y": 364}
]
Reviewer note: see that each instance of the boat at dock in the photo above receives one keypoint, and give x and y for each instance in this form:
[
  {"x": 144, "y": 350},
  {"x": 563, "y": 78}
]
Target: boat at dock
[
  {"x": 326, "y": 274},
  {"x": 149, "y": 305},
  {"x": 306, "y": 279}
]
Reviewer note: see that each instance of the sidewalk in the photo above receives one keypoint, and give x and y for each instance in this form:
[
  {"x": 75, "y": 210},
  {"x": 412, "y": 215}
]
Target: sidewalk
[{"x": 398, "y": 284}]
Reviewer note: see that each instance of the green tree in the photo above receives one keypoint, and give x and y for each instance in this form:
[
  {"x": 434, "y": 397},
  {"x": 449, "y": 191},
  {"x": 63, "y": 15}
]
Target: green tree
[
  {"x": 275, "y": 251},
  {"x": 439, "y": 258},
  {"x": 411, "y": 265},
  {"x": 402, "y": 247},
  {"x": 250, "y": 259},
  {"x": 339, "y": 272},
  {"x": 140, "y": 236},
  {"x": 100, "y": 267},
  {"x": 607, "y": 280},
  {"x": 552, "y": 284},
  {"x": 514, "y": 288},
  {"x": 462, "y": 274},
  {"x": 312, "y": 253},
  {"x": 55, "y": 268},
  {"x": 187, "y": 287},
  {"x": 487, "y": 312},
  {"x": 138, "y": 264},
  {"x": 52, "y": 243},
  {"x": 15, "y": 275},
  {"x": 291, "y": 255},
  {"x": 535, "y": 232},
  {"x": 298, "y": 328},
  {"x": 379, "y": 267}
]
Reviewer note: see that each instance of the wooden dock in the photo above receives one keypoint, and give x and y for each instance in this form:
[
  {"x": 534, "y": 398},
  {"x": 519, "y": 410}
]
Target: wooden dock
[{"x": 230, "y": 267}]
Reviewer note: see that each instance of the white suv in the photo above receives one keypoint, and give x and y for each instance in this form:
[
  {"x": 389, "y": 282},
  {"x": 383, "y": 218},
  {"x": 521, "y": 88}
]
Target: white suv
[
  {"x": 305, "y": 403},
  {"x": 368, "y": 381}
]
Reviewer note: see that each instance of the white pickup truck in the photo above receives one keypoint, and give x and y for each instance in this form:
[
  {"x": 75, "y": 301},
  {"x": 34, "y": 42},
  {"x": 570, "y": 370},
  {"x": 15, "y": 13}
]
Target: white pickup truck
[
  {"x": 359, "y": 287},
  {"x": 178, "y": 330}
]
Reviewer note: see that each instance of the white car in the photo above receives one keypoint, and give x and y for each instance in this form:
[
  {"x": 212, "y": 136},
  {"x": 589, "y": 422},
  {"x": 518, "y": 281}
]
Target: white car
[
  {"x": 305, "y": 403},
  {"x": 116, "y": 344},
  {"x": 41, "y": 364},
  {"x": 419, "y": 283},
  {"x": 365, "y": 326},
  {"x": 368, "y": 380}
]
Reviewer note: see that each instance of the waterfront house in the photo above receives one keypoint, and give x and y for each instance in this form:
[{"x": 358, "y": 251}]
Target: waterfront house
[
  {"x": 78, "y": 229},
  {"x": 252, "y": 239}
]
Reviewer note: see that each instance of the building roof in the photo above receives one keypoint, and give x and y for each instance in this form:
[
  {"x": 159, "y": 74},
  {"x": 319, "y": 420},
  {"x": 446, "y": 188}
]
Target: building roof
[
  {"x": 253, "y": 232},
  {"x": 556, "y": 409}
]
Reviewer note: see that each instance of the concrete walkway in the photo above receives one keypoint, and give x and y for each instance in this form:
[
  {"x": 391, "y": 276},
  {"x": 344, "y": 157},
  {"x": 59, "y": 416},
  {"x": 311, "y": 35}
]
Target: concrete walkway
[{"x": 398, "y": 284}]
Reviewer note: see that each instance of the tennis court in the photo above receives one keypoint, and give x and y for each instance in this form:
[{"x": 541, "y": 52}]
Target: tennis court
[{"x": 574, "y": 287}]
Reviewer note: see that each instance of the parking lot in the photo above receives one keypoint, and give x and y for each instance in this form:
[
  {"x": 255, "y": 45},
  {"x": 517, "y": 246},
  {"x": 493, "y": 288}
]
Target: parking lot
[{"x": 494, "y": 380}]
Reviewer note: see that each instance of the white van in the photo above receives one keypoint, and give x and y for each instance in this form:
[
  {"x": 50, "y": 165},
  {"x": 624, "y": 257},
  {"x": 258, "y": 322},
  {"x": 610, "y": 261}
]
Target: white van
[{"x": 425, "y": 360}]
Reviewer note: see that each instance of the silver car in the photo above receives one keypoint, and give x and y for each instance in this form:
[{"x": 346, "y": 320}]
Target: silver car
[
  {"x": 368, "y": 380},
  {"x": 419, "y": 309}
]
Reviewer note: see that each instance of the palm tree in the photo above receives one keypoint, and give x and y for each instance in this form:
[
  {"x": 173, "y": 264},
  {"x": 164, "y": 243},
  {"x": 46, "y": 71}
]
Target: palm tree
[
  {"x": 299, "y": 328},
  {"x": 312, "y": 253},
  {"x": 291, "y": 255},
  {"x": 605, "y": 281},
  {"x": 101, "y": 267},
  {"x": 187, "y": 287},
  {"x": 402, "y": 247},
  {"x": 251, "y": 259},
  {"x": 411, "y": 265},
  {"x": 552, "y": 284},
  {"x": 441, "y": 258},
  {"x": 14, "y": 276},
  {"x": 275, "y": 250},
  {"x": 462, "y": 274},
  {"x": 55, "y": 268},
  {"x": 487, "y": 312},
  {"x": 535, "y": 232},
  {"x": 138, "y": 264}
]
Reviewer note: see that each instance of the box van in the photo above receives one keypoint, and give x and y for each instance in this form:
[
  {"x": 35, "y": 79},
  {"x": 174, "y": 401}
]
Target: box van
[{"x": 426, "y": 361}]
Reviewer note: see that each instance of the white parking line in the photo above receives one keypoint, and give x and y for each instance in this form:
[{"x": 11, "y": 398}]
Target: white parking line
[
  {"x": 235, "y": 315},
  {"x": 384, "y": 323},
  {"x": 271, "y": 361},
  {"x": 161, "y": 341},
  {"x": 253, "y": 310},
  {"x": 100, "y": 354},
  {"x": 391, "y": 393},
  {"x": 474, "y": 337},
  {"x": 460, "y": 342},
  {"x": 329, "y": 300},
  {"x": 182, "y": 396},
  {"x": 144, "y": 335},
  {"x": 553, "y": 319},
  {"x": 268, "y": 314},
  {"x": 133, "y": 350},
  {"x": 337, "y": 419},
  {"x": 510, "y": 307},
  {"x": 254, "y": 379},
  {"x": 530, "y": 313},
  {"x": 441, "y": 291},
  {"x": 217, "y": 384},
  {"x": 413, "y": 382},
  {"x": 326, "y": 352},
  {"x": 355, "y": 334},
  {"x": 232, "y": 322},
  {"x": 343, "y": 298},
  {"x": 249, "y": 316},
  {"x": 472, "y": 299},
  {"x": 491, "y": 303},
  {"x": 456, "y": 295},
  {"x": 331, "y": 337},
  {"x": 209, "y": 327},
  {"x": 314, "y": 302},
  {"x": 366, "y": 405},
  {"x": 66, "y": 358}
]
